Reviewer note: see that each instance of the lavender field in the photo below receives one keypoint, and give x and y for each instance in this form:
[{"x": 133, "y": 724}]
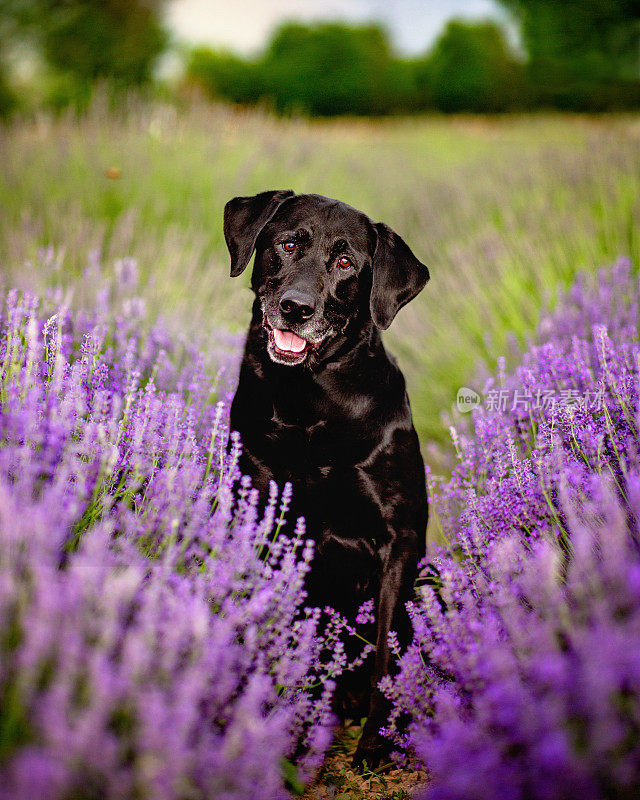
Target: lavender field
[
  {"x": 504, "y": 211},
  {"x": 154, "y": 639}
]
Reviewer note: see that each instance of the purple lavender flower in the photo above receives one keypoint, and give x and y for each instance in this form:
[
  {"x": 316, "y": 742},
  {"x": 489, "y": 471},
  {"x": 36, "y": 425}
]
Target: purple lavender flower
[
  {"x": 523, "y": 679},
  {"x": 153, "y": 637}
]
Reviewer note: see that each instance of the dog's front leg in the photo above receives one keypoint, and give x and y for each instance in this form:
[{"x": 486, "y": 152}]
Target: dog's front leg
[{"x": 396, "y": 588}]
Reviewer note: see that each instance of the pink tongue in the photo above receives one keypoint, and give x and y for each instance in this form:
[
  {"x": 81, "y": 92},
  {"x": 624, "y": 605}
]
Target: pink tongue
[{"x": 287, "y": 340}]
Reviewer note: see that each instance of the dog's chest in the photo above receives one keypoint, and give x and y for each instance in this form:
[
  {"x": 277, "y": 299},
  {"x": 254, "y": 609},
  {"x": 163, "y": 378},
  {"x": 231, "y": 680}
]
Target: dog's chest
[
  {"x": 316, "y": 447},
  {"x": 323, "y": 462}
]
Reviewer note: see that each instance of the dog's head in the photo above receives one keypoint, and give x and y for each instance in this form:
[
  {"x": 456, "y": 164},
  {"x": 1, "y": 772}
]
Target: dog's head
[{"x": 321, "y": 270}]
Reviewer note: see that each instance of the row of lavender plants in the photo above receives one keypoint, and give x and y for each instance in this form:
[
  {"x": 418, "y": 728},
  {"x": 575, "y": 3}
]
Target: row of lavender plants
[
  {"x": 153, "y": 636},
  {"x": 523, "y": 679}
]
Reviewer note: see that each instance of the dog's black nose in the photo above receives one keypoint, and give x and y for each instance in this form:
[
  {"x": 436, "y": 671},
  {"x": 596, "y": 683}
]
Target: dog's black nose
[{"x": 297, "y": 305}]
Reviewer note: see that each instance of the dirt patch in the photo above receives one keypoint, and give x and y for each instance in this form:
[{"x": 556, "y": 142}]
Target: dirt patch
[{"x": 337, "y": 781}]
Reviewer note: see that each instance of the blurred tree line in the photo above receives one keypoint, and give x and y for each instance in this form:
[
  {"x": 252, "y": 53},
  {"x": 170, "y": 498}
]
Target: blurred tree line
[
  {"x": 581, "y": 55},
  {"x": 82, "y": 42},
  {"x": 330, "y": 68},
  {"x": 573, "y": 54}
]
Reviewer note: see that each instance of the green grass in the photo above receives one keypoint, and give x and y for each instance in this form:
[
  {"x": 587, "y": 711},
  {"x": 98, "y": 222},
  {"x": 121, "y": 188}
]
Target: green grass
[{"x": 503, "y": 210}]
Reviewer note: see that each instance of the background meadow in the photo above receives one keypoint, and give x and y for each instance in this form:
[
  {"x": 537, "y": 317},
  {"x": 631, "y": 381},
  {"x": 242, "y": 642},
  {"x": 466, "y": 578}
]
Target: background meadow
[{"x": 504, "y": 211}]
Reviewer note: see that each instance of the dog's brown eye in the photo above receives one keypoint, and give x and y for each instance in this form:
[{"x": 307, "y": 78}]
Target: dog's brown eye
[
  {"x": 345, "y": 262},
  {"x": 289, "y": 246}
]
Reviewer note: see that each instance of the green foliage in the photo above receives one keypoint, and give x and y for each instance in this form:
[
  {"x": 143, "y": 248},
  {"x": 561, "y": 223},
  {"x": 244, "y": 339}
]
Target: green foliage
[
  {"x": 330, "y": 69},
  {"x": 291, "y": 777},
  {"x": 7, "y": 97},
  {"x": 581, "y": 53},
  {"x": 577, "y": 61},
  {"x": 325, "y": 70},
  {"x": 116, "y": 39},
  {"x": 84, "y": 41},
  {"x": 471, "y": 69},
  {"x": 223, "y": 75}
]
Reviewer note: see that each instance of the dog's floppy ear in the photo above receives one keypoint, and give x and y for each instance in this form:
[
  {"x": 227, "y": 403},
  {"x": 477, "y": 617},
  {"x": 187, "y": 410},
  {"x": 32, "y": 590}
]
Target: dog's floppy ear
[
  {"x": 398, "y": 276},
  {"x": 244, "y": 218}
]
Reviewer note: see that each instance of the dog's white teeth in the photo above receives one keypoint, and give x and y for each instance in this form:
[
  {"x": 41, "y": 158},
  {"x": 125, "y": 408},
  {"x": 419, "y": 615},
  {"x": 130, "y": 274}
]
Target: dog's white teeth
[{"x": 288, "y": 341}]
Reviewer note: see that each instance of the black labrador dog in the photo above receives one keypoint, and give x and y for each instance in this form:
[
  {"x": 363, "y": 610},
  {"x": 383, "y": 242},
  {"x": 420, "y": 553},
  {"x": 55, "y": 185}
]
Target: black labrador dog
[{"x": 320, "y": 403}]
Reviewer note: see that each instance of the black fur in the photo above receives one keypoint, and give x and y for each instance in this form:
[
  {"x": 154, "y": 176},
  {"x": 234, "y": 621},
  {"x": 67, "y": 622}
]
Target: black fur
[{"x": 334, "y": 420}]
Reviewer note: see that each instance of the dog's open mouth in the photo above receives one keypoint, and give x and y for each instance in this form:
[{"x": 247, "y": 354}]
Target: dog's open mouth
[
  {"x": 288, "y": 342},
  {"x": 286, "y": 347}
]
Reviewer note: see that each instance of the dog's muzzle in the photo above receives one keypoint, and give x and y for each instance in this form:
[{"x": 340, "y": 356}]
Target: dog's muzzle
[{"x": 287, "y": 347}]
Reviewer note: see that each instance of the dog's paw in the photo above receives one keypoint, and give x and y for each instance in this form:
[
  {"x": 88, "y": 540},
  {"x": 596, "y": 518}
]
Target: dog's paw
[{"x": 372, "y": 753}]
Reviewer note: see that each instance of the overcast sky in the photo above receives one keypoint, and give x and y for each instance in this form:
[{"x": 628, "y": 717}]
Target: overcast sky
[{"x": 244, "y": 25}]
